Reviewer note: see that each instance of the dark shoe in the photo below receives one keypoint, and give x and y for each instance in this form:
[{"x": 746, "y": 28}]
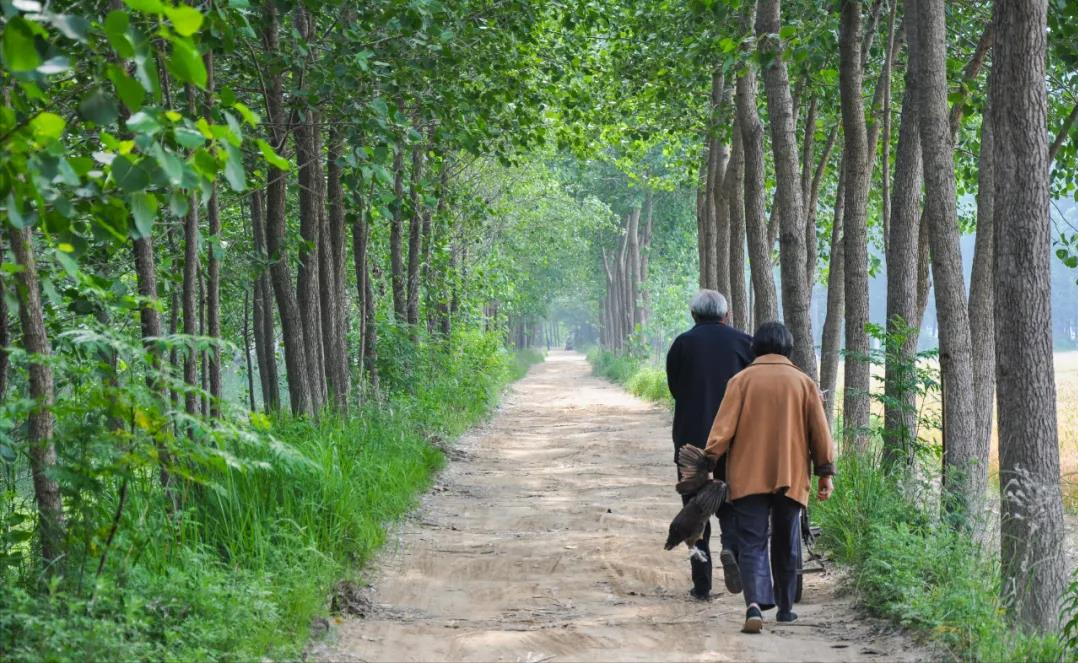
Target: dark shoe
[
  {"x": 754, "y": 621},
  {"x": 731, "y": 573},
  {"x": 786, "y": 617},
  {"x": 700, "y": 596}
]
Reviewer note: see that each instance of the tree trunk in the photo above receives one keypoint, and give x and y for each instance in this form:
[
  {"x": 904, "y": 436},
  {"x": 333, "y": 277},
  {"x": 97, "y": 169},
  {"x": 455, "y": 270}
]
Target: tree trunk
[
  {"x": 190, "y": 288},
  {"x": 334, "y": 311},
  {"x": 885, "y": 153},
  {"x": 365, "y": 291},
  {"x": 295, "y": 353},
  {"x": 982, "y": 300},
  {"x": 414, "y": 233},
  {"x": 836, "y": 303},
  {"x": 763, "y": 281},
  {"x": 396, "y": 228},
  {"x": 263, "y": 311},
  {"x": 855, "y": 233},
  {"x": 213, "y": 271},
  {"x": 1031, "y": 527},
  {"x": 645, "y": 252},
  {"x": 42, "y": 451},
  {"x": 703, "y": 246},
  {"x": 308, "y": 156},
  {"x": 796, "y": 295},
  {"x": 247, "y": 350},
  {"x": 5, "y": 336},
  {"x": 633, "y": 267},
  {"x": 900, "y": 414},
  {"x": 965, "y": 472},
  {"x": 735, "y": 199}
]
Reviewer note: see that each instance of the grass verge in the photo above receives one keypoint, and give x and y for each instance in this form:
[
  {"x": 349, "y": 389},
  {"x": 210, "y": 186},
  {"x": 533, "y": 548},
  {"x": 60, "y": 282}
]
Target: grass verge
[{"x": 243, "y": 570}]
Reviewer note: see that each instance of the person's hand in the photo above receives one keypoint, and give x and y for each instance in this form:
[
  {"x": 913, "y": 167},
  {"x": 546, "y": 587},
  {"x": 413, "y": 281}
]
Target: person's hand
[{"x": 825, "y": 486}]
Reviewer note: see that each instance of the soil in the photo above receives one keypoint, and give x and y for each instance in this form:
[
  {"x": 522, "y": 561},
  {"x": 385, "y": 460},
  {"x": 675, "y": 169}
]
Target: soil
[{"x": 543, "y": 541}]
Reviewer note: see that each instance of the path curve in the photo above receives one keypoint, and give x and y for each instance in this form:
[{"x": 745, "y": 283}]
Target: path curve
[{"x": 542, "y": 541}]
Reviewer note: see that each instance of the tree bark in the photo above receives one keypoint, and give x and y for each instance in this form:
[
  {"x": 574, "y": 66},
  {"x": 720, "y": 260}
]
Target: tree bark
[
  {"x": 396, "y": 229},
  {"x": 836, "y": 302},
  {"x": 1031, "y": 527},
  {"x": 190, "y": 288},
  {"x": 735, "y": 198},
  {"x": 213, "y": 272},
  {"x": 295, "y": 353},
  {"x": 855, "y": 233},
  {"x": 900, "y": 415},
  {"x": 982, "y": 300},
  {"x": 5, "y": 336},
  {"x": 263, "y": 311},
  {"x": 763, "y": 281},
  {"x": 965, "y": 472},
  {"x": 42, "y": 450},
  {"x": 415, "y": 233},
  {"x": 796, "y": 294},
  {"x": 334, "y": 311},
  {"x": 308, "y": 156}
]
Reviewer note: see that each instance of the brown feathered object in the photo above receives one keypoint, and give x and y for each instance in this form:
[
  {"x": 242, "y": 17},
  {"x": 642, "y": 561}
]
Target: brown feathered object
[
  {"x": 688, "y": 525},
  {"x": 693, "y": 467}
]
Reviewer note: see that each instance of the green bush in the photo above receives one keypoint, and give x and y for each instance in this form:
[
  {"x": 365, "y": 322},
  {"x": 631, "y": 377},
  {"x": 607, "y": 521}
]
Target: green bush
[
  {"x": 242, "y": 570},
  {"x": 910, "y": 567},
  {"x": 640, "y": 379}
]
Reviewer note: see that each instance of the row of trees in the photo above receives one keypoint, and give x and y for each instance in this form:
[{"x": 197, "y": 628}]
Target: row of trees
[
  {"x": 327, "y": 185},
  {"x": 822, "y": 173}
]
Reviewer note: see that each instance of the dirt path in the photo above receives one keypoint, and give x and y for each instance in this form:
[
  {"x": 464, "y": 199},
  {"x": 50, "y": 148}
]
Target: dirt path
[{"x": 543, "y": 542}]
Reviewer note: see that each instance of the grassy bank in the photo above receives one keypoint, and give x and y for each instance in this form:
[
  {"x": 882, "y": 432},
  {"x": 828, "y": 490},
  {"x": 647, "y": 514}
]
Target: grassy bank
[
  {"x": 252, "y": 558},
  {"x": 637, "y": 376}
]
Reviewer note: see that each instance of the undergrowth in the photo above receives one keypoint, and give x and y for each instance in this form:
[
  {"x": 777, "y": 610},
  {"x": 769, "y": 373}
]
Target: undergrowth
[
  {"x": 241, "y": 572},
  {"x": 638, "y": 377}
]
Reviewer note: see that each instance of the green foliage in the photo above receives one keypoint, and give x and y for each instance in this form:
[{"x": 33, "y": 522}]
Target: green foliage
[
  {"x": 640, "y": 379},
  {"x": 239, "y": 574},
  {"x": 911, "y": 567}
]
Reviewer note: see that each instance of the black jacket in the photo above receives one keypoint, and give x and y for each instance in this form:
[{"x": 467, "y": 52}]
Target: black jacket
[{"x": 700, "y": 363}]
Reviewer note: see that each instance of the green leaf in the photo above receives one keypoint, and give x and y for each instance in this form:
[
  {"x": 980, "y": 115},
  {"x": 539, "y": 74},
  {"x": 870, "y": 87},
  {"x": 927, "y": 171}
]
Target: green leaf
[
  {"x": 127, "y": 88},
  {"x": 71, "y": 26},
  {"x": 54, "y": 65},
  {"x": 185, "y": 20},
  {"x": 205, "y": 163},
  {"x": 14, "y": 215},
  {"x": 234, "y": 171},
  {"x": 116, "y": 24},
  {"x": 98, "y": 108},
  {"x": 144, "y": 210},
  {"x": 272, "y": 158},
  {"x": 249, "y": 116},
  {"x": 148, "y": 6},
  {"x": 129, "y": 176},
  {"x": 47, "y": 127},
  {"x": 170, "y": 165},
  {"x": 234, "y": 126},
  {"x": 178, "y": 203},
  {"x": 143, "y": 123},
  {"x": 189, "y": 138},
  {"x": 17, "y": 48},
  {"x": 186, "y": 63},
  {"x": 68, "y": 263}
]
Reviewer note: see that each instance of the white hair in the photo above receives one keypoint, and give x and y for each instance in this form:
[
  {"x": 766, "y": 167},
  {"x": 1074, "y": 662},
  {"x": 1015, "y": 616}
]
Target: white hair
[{"x": 709, "y": 304}]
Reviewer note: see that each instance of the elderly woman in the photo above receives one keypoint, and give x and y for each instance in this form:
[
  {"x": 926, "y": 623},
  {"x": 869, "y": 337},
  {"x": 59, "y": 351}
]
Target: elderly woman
[{"x": 770, "y": 425}]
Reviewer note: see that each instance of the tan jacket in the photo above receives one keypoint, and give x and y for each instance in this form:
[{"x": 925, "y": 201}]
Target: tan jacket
[{"x": 772, "y": 422}]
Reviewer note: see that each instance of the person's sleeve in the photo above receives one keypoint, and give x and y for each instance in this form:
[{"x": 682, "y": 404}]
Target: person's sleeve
[
  {"x": 725, "y": 425},
  {"x": 821, "y": 446},
  {"x": 673, "y": 364}
]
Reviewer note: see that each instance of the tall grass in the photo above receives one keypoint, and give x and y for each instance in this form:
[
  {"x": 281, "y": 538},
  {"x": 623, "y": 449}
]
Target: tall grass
[
  {"x": 638, "y": 377},
  {"x": 243, "y": 570}
]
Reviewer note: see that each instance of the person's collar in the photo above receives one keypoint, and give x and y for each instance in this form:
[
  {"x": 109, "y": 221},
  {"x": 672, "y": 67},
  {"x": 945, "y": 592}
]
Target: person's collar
[
  {"x": 708, "y": 321},
  {"x": 772, "y": 359}
]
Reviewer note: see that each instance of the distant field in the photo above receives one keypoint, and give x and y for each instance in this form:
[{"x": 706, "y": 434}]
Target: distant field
[{"x": 1067, "y": 415}]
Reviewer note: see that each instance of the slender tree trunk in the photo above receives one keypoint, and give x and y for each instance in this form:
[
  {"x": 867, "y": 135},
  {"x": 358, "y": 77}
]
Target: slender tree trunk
[
  {"x": 190, "y": 288},
  {"x": 414, "y": 234},
  {"x": 885, "y": 153},
  {"x": 396, "y": 229},
  {"x": 5, "y": 335},
  {"x": 308, "y": 155},
  {"x": 982, "y": 300},
  {"x": 1031, "y": 526},
  {"x": 836, "y": 303},
  {"x": 900, "y": 415},
  {"x": 42, "y": 450},
  {"x": 735, "y": 198},
  {"x": 334, "y": 314},
  {"x": 247, "y": 350},
  {"x": 263, "y": 311},
  {"x": 796, "y": 294},
  {"x": 855, "y": 234},
  {"x": 633, "y": 267},
  {"x": 703, "y": 246},
  {"x": 295, "y": 353},
  {"x": 965, "y": 473},
  {"x": 203, "y": 356},
  {"x": 213, "y": 271},
  {"x": 763, "y": 281},
  {"x": 645, "y": 253}
]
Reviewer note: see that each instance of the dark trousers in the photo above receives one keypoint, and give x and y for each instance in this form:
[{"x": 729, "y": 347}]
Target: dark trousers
[{"x": 753, "y": 514}]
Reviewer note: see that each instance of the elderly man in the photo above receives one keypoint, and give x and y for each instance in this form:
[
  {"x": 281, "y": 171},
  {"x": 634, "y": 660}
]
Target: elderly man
[{"x": 700, "y": 363}]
